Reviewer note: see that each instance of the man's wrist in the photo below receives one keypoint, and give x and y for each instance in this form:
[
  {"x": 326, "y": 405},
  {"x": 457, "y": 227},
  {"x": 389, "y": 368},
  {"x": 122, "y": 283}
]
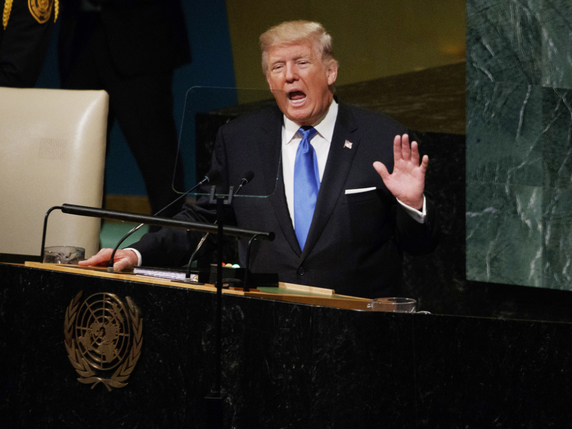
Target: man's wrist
[
  {"x": 418, "y": 215},
  {"x": 139, "y": 257}
]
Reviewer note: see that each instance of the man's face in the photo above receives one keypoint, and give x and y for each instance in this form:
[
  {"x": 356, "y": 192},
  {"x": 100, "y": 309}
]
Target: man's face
[{"x": 300, "y": 81}]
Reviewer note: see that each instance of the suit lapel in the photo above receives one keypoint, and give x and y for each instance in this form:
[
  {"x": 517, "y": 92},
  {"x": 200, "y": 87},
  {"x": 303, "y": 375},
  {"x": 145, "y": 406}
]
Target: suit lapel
[
  {"x": 342, "y": 150},
  {"x": 269, "y": 149}
]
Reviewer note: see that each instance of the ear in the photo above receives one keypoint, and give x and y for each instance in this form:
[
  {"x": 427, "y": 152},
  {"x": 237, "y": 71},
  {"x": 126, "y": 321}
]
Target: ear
[{"x": 332, "y": 72}]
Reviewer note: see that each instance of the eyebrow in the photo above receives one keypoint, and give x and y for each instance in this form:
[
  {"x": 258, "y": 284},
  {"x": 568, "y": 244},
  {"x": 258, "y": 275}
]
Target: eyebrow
[{"x": 296, "y": 58}]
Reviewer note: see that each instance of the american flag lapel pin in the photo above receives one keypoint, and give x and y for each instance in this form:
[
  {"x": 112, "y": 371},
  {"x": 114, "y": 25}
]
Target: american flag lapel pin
[{"x": 348, "y": 144}]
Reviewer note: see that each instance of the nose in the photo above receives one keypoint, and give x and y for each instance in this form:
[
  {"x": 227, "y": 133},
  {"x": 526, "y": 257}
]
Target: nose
[{"x": 291, "y": 74}]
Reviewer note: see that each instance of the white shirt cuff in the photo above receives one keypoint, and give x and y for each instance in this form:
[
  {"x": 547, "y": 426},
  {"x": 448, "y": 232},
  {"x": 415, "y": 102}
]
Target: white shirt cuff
[
  {"x": 139, "y": 257},
  {"x": 419, "y": 216}
]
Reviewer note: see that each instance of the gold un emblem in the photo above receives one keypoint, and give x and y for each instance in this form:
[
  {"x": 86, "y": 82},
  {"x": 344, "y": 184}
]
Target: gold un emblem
[{"x": 103, "y": 338}]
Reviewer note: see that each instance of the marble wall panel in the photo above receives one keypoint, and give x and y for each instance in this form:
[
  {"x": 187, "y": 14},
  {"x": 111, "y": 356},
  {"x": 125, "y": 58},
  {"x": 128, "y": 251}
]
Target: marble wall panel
[
  {"x": 556, "y": 136},
  {"x": 504, "y": 179},
  {"x": 504, "y": 40},
  {"x": 504, "y": 122},
  {"x": 519, "y": 155},
  {"x": 512, "y": 251},
  {"x": 557, "y": 219},
  {"x": 556, "y": 64}
]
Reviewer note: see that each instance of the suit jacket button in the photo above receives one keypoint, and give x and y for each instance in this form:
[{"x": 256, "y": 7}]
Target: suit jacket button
[{"x": 301, "y": 271}]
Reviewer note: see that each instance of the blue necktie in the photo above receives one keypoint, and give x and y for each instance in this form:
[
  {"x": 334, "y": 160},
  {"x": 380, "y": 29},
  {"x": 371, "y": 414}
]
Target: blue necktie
[{"x": 306, "y": 184}]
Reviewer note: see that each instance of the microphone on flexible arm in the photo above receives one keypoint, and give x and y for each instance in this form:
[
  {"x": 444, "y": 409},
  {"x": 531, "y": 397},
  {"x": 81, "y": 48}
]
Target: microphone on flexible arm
[
  {"x": 211, "y": 176},
  {"x": 246, "y": 178}
]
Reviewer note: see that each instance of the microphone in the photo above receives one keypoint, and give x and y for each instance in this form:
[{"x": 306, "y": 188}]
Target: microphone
[
  {"x": 211, "y": 176},
  {"x": 246, "y": 178}
]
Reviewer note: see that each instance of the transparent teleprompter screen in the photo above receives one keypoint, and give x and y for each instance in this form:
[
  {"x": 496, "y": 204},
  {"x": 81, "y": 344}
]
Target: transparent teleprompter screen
[{"x": 206, "y": 109}]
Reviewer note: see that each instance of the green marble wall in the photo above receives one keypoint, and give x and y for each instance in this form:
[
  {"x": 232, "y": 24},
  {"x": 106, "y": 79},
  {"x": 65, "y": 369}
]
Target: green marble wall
[{"x": 518, "y": 154}]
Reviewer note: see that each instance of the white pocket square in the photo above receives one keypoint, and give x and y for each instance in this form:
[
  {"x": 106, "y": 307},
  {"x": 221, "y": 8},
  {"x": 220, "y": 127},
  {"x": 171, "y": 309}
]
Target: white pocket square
[{"x": 359, "y": 190}]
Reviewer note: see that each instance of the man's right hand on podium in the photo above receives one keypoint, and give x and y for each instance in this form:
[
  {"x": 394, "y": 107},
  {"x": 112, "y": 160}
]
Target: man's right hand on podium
[{"x": 124, "y": 259}]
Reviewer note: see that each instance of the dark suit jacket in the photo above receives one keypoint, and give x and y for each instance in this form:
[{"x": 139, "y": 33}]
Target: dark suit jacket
[{"x": 356, "y": 241}]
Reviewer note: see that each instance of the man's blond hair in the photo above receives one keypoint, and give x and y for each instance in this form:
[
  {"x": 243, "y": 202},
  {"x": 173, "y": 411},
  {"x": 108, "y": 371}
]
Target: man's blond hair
[{"x": 292, "y": 32}]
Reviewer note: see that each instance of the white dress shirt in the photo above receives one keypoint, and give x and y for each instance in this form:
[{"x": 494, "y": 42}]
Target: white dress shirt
[{"x": 291, "y": 140}]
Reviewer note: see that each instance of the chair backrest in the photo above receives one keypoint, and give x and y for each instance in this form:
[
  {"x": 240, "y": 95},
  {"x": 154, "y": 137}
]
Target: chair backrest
[{"x": 52, "y": 151}]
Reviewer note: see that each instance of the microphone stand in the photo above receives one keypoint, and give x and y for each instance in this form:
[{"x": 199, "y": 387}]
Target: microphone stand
[
  {"x": 189, "y": 266},
  {"x": 214, "y": 399},
  {"x": 245, "y": 180},
  {"x": 246, "y": 288}
]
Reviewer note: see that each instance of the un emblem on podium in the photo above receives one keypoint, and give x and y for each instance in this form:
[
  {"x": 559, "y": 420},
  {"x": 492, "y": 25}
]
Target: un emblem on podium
[{"x": 103, "y": 338}]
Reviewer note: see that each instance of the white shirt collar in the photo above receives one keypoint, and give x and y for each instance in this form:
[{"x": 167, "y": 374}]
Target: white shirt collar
[{"x": 325, "y": 126}]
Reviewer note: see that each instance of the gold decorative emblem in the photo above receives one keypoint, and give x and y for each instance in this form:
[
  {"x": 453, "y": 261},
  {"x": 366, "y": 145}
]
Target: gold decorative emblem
[
  {"x": 103, "y": 338},
  {"x": 36, "y": 9},
  {"x": 41, "y": 9}
]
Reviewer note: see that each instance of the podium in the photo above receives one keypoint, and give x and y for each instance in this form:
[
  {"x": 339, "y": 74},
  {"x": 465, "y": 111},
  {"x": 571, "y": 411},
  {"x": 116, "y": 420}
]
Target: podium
[{"x": 288, "y": 361}]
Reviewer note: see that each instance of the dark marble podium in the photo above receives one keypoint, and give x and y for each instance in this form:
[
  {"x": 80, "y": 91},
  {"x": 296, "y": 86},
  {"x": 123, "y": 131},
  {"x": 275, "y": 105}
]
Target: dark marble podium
[{"x": 284, "y": 364}]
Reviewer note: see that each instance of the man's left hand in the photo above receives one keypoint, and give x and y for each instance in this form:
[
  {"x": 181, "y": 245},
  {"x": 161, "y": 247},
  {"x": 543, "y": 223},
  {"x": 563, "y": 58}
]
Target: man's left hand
[{"x": 407, "y": 181}]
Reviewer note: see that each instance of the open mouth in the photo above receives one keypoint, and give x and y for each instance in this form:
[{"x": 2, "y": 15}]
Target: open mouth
[{"x": 296, "y": 97}]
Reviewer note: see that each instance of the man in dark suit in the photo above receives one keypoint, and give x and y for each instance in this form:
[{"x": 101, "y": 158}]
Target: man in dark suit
[
  {"x": 130, "y": 49},
  {"x": 350, "y": 231}
]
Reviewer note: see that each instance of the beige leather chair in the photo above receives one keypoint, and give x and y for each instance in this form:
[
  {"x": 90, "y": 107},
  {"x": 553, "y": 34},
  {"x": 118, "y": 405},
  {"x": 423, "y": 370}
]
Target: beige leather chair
[{"x": 52, "y": 151}]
